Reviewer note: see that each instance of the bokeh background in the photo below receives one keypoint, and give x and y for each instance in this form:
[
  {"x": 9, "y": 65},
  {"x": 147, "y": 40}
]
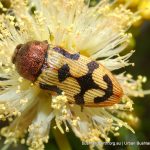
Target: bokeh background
[{"x": 141, "y": 43}]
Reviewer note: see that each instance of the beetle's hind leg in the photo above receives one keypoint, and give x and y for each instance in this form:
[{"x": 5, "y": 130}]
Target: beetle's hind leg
[{"x": 52, "y": 88}]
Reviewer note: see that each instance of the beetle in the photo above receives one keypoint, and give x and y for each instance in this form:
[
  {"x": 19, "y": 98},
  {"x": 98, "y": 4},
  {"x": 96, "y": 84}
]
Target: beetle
[{"x": 84, "y": 81}]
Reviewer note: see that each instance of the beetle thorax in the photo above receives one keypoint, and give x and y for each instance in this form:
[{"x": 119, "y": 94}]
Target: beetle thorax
[{"x": 29, "y": 59}]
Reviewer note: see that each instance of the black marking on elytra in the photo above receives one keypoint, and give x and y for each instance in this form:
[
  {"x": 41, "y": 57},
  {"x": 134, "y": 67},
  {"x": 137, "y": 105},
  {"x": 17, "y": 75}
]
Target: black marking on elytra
[
  {"x": 53, "y": 88},
  {"x": 67, "y": 54},
  {"x": 86, "y": 83},
  {"x": 63, "y": 73},
  {"x": 108, "y": 91},
  {"x": 92, "y": 66}
]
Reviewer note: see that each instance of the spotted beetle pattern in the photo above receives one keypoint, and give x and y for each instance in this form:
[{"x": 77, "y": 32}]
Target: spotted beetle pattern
[{"x": 84, "y": 81}]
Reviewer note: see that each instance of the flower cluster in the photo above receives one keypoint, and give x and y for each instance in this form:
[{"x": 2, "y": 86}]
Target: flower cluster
[
  {"x": 97, "y": 32},
  {"x": 143, "y": 7}
]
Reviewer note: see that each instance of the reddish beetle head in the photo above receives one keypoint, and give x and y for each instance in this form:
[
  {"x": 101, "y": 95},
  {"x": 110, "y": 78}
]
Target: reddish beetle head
[{"x": 29, "y": 58}]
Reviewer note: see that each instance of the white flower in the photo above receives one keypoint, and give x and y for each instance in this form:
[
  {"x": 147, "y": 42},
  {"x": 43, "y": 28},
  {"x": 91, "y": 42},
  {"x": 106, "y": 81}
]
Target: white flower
[{"x": 98, "y": 32}]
